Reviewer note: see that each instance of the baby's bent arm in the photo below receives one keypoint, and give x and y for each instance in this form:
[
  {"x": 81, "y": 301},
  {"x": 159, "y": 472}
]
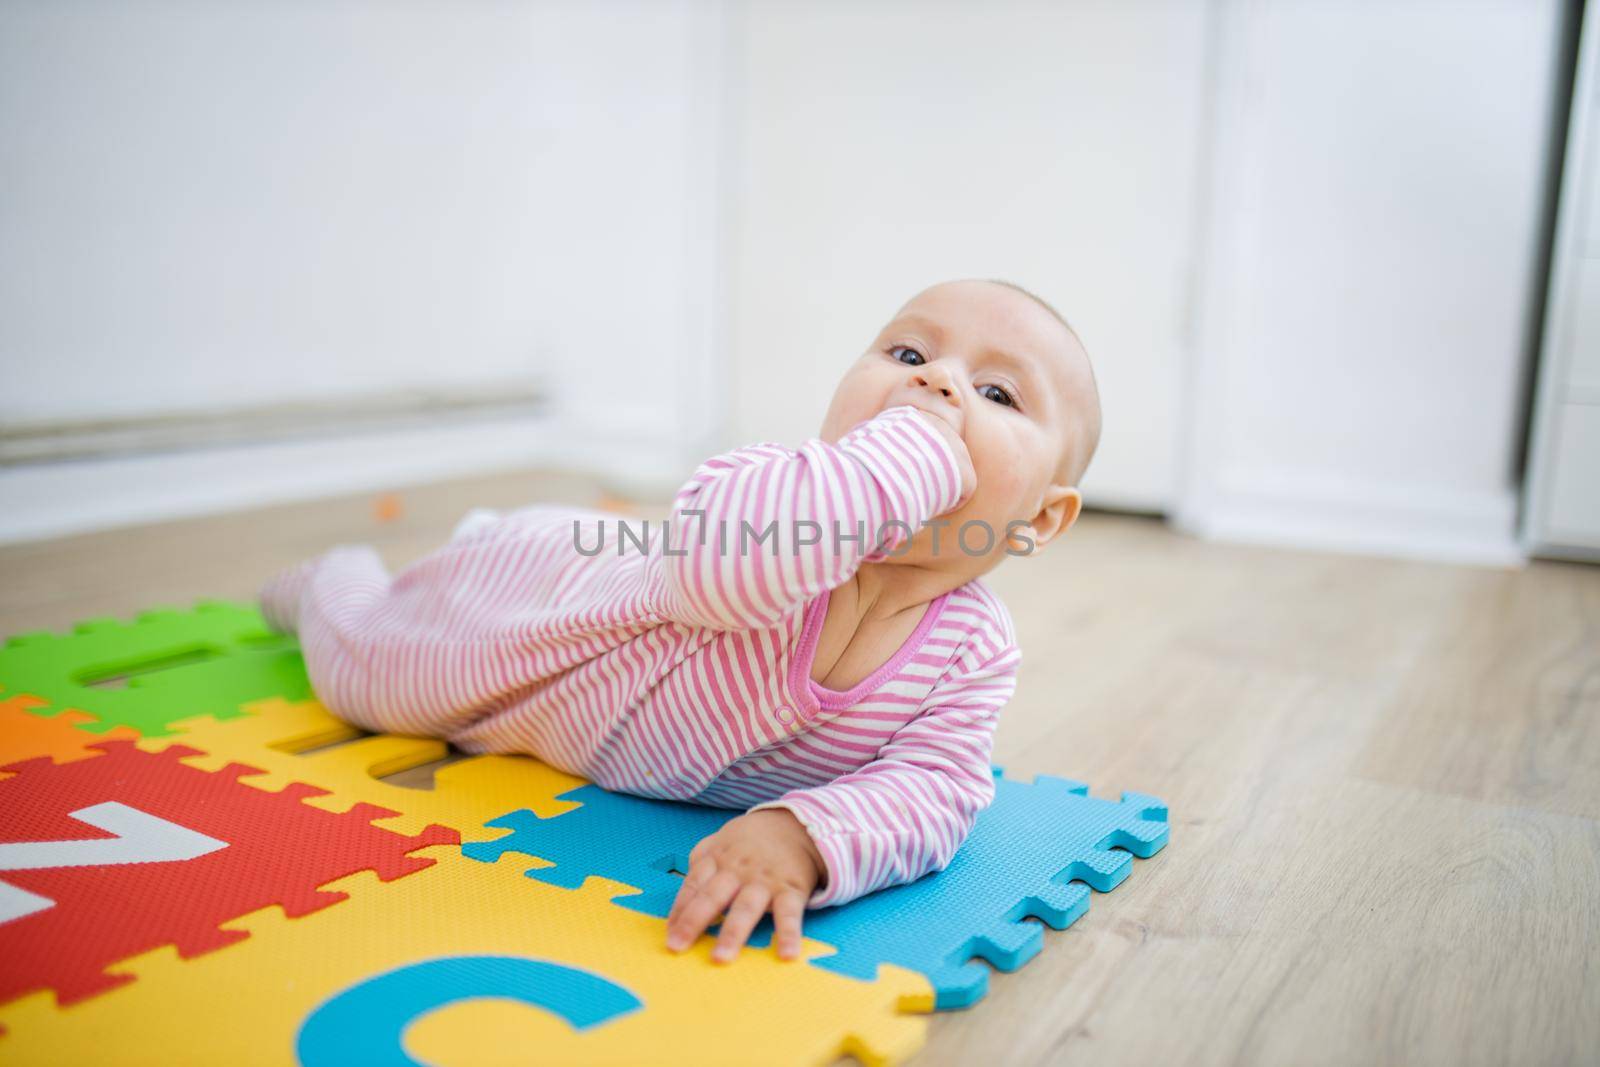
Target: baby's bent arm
[
  {"x": 761, "y": 530},
  {"x": 908, "y": 811}
]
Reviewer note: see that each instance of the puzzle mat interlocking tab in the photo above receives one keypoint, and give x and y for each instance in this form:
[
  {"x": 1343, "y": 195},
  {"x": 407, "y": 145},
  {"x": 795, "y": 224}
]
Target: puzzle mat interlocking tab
[
  {"x": 25, "y": 735},
  {"x": 216, "y": 658},
  {"x": 465, "y": 795},
  {"x": 261, "y": 1001}
]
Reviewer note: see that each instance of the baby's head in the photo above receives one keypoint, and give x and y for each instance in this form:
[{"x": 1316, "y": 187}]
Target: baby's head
[{"x": 1012, "y": 378}]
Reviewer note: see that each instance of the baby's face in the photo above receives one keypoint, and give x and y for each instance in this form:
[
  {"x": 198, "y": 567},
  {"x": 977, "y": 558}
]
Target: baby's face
[{"x": 1011, "y": 380}]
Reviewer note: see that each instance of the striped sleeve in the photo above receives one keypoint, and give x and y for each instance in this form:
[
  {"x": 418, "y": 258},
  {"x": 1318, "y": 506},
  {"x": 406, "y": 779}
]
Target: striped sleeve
[
  {"x": 907, "y": 812},
  {"x": 758, "y": 532}
]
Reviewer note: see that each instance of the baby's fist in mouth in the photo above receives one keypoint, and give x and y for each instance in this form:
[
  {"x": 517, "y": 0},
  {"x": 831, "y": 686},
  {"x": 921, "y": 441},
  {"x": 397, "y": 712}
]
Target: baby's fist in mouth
[
  {"x": 758, "y": 862},
  {"x": 969, "y": 475}
]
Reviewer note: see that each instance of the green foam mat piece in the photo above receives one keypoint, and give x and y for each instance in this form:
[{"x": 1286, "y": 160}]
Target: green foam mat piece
[{"x": 163, "y": 666}]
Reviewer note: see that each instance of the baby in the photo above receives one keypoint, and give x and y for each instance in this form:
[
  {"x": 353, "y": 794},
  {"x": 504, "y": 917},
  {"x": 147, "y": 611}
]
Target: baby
[{"x": 807, "y": 638}]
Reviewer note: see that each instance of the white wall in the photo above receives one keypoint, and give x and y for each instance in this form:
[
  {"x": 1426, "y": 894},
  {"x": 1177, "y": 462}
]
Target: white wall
[
  {"x": 1299, "y": 236},
  {"x": 215, "y": 204},
  {"x": 882, "y": 147},
  {"x": 1368, "y": 286},
  {"x": 210, "y": 204}
]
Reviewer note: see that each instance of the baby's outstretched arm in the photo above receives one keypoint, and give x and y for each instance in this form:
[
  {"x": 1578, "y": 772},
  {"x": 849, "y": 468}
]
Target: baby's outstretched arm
[
  {"x": 908, "y": 811},
  {"x": 893, "y": 820},
  {"x": 761, "y": 530}
]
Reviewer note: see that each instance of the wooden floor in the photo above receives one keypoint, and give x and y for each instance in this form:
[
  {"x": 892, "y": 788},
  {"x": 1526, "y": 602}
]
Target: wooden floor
[{"x": 1384, "y": 779}]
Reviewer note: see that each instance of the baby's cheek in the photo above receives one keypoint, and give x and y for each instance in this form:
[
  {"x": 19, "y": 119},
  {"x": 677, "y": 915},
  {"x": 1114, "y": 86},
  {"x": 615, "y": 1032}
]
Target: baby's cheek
[
  {"x": 1003, "y": 483},
  {"x": 993, "y": 506}
]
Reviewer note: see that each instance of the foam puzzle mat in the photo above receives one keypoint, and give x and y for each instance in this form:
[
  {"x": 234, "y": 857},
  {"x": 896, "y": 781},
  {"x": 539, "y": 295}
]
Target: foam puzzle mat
[{"x": 200, "y": 864}]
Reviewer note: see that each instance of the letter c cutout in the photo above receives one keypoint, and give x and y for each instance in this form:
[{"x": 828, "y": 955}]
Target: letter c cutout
[{"x": 366, "y": 1023}]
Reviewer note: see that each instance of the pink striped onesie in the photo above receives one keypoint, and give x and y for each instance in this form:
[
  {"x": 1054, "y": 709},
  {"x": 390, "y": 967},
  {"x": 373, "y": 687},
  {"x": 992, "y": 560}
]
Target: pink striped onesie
[{"x": 657, "y": 663}]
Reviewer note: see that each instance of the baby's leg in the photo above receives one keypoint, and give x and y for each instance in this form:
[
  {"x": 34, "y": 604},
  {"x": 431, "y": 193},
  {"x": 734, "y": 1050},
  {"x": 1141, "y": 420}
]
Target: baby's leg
[
  {"x": 475, "y": 520},
  {"x": 373, "y": 657},
  {"x": 413, "y": 653}
]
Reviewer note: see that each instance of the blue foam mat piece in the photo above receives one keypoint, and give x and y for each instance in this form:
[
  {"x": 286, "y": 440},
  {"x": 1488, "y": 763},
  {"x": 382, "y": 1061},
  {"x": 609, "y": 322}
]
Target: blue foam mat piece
[{"x": 1033, "y": 853}]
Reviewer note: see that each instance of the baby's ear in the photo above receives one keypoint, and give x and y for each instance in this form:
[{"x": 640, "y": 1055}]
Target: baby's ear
[{"x": 1057, "y": 512}]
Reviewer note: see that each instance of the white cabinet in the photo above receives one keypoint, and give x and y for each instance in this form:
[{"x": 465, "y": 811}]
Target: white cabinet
[
  {"x": 1375, "y": 244},
  {"x": 1561, "y": 510}
]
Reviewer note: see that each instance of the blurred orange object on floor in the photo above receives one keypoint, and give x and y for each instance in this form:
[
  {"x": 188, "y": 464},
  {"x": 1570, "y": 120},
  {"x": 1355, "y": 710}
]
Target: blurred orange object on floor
[{"x": 388, "y": 507}]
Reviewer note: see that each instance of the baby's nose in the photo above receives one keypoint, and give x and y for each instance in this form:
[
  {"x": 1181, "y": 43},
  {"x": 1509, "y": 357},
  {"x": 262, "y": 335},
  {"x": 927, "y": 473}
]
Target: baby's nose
[{"x": 933, "y": 378}]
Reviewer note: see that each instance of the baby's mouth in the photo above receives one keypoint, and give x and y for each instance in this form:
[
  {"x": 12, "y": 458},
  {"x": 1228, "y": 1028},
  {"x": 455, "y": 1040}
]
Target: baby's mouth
[{"x": 929, "y": 409}]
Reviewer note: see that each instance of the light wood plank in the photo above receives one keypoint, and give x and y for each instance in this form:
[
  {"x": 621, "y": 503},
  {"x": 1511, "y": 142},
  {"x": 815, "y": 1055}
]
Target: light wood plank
[{"x": 1384, "y": 778}]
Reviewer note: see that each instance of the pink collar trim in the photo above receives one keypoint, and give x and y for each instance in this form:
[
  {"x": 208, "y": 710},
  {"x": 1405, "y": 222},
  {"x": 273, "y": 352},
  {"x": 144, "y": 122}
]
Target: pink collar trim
[{"x": 812, "y": 696}]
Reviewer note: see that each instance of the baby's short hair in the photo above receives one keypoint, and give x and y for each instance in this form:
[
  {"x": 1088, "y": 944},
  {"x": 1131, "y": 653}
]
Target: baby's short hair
[{"x": 1090, "y": 441}]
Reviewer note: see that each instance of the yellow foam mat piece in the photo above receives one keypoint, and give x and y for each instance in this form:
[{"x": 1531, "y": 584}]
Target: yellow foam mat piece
[
  {"x": 464, "y": 796},
  {"x": 245, "y": 1005}
]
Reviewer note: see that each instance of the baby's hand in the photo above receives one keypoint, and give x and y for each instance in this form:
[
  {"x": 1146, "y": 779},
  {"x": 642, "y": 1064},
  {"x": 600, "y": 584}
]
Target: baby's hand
[
  {"x": 969, "y": 476},
  {"x": 759, "y": 860}
]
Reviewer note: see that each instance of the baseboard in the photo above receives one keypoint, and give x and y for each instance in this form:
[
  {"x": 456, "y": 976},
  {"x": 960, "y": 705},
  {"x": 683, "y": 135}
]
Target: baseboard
[
  {"x": 57, "y": 499},
  {"x": 1413, "y": 523}
]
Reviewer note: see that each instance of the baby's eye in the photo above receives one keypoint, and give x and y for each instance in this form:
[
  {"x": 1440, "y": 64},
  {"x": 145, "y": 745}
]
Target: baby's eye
[
  {"x": 999, "y": 395},
  {"x": 906, "y": 348}
]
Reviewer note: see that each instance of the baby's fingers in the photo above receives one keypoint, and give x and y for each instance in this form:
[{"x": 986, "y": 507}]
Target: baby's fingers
[
  {"x": 700, "y": 872},
  {"x": 787, "y": 908},
  {"x": 699, "y": 910},
  {"x": 747, "y": 910}
]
